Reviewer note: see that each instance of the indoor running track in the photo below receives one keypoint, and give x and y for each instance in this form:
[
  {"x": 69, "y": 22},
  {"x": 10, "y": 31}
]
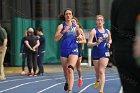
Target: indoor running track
[{"x": 53, "y": 83}]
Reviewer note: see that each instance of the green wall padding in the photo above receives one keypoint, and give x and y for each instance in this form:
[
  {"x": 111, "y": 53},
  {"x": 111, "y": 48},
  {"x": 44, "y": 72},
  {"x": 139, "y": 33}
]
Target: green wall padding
[
  {"x": 52, "y": 48},
  {"x": 18, "y": 27}
]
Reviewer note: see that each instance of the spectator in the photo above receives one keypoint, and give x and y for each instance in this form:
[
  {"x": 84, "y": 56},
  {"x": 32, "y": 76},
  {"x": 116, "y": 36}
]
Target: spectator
[
  {"x": 41, "y": 51},
  {"x": 32, "y": 44},
  {"x": 123, "y": 22},
  {"x": 23, "y": 52},
  {"x": 3, "y": 48}
]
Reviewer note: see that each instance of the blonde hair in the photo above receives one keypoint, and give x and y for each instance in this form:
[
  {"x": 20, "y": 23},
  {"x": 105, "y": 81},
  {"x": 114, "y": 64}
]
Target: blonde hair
[{"x": 99, "y": 16}]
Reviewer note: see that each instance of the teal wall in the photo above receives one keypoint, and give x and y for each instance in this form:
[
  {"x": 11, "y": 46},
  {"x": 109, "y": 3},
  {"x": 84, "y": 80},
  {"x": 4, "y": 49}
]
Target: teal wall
[{"x": 18, "y": 27}]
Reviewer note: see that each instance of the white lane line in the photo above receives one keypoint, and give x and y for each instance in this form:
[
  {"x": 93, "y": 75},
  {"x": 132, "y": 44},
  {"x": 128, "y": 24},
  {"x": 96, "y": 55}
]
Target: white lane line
[
  {"x": 38, "y": 77},
  {"x": 17, "y": 86},
  {"x": 25, "y": 78},
  {"x": 28, "y": 84},
  {"x": 93, "y": 83},
  {"x": 50, "y": 74},
  {"x": 8, "y": 77},
  {"x": 59, "y": 84},
  {"x": 64, "y": 82},
  {"x": 45, "y": 74},
  {"x": 7, "y": 81},
  {"x": 50, "y": 87}
]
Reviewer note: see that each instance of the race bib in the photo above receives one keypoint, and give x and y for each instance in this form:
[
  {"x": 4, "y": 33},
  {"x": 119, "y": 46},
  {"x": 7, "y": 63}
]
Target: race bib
[
  {"x": 75, "y": 50},
  {"x": 107, "y": 54}
]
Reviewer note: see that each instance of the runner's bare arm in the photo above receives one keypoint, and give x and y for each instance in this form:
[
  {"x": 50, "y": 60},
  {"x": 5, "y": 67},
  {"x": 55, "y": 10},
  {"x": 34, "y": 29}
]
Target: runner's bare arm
[
  {"x": 58, "y": 34},
  {"x": 109, "y": 39},
  {"x": 83, "y": 39},
  {"x": 90, "y": 40}
]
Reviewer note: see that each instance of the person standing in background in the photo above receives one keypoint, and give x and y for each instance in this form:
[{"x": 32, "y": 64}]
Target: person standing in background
[
  {"x": 123, "y": 22},
  {"x": 32, "y": 44},
  {"x": 41, "y": 51},
  {"x": 23, "y": 52},
  {"x": 3, "y": 48}
]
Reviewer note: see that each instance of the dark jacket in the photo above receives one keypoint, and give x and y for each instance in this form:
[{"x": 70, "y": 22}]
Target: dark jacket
[
  {"x": 23, "y": 47},
  {"x": 123, "y": 19}
]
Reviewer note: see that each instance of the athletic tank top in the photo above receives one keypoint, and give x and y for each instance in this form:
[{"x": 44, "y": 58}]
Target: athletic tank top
[
  {"x": 69, "y": 37},
  {"x": 104, "y": 36}
]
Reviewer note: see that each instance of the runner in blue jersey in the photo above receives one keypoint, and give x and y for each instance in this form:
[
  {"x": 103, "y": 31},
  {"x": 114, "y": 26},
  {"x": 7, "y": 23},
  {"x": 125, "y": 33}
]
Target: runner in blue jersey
[
  {"x": 81, "y": 43},
  {"x": 100, "y": 39},
  {"x": 68, "y": 32}
]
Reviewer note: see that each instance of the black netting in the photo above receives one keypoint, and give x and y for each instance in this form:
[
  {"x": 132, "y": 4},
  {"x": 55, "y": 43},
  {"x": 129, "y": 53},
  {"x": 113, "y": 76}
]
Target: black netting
[
  {"x": 52, "y": 8},
  {"x": 86, "y": 8},
  {"x": 22, "y": 8}
]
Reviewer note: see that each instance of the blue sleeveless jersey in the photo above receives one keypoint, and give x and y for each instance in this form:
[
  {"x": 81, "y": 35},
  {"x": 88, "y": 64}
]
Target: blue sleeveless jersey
[
  {"x": 69, "y": 45},
  {"x": 101, "y": 50},
  {"x": 69, "y": 38}
]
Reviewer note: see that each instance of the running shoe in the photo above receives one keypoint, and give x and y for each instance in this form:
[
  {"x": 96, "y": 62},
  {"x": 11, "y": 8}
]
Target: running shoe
[
  {"x": 96, "y": 85},
  {"x": 2, "y": 78},
  {"x": 66, "y": 86},
  {"x": 101, "y": 91},
  {"x": 29, "y": 74},
  {"x": 22, "y": 73},
  {"x": 34, "y": 74},
  {"x": 80, "y": 82}
]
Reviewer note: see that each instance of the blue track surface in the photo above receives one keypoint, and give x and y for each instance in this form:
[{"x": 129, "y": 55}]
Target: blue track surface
[{"x": 53, "y": 83}]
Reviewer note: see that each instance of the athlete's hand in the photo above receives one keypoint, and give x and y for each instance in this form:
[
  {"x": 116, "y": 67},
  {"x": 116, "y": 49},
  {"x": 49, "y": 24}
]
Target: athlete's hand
[
  {"x": 108, "y": 45},
  {"x": 100, "y": 39},
  {"x": 79, "y": 38},
  {"x": 66, "y": 28}
]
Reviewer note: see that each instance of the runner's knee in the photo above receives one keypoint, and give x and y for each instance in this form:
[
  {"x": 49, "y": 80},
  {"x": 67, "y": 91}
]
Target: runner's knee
[{"x": 70, "y": 67}]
